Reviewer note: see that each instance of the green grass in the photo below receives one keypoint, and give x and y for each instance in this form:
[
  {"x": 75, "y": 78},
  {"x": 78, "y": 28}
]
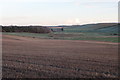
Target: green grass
[
  {"x": 106, "y": 29},
  {"x": 84, "y": 36},
  {"x": 28, "y": 34},
  {"x": 108, "y": 39}
]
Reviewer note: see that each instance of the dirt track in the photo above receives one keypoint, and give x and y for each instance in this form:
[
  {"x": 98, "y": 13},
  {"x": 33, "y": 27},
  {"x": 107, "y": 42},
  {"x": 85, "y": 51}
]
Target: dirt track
[{"x": 25, "y": 57}]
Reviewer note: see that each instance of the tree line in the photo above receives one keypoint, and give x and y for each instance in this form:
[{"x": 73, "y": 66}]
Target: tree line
[{"x": 32, "y": 29}]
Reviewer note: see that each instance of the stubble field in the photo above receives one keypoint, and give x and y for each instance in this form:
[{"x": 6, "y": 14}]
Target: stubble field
[{"x": 25, "y": 57}]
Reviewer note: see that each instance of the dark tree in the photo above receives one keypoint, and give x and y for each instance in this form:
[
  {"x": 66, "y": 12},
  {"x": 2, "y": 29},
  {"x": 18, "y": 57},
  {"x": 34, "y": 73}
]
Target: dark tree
[{"x": 61, "y": 29}]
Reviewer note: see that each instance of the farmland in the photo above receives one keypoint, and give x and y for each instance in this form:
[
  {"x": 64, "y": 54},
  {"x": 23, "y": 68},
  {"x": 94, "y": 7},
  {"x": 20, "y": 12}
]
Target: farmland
[
  {"x": 70, "y": 36},
  {"x": 26, "y": 57},
  {"x": 107, "y": 32},
  {"x": 86, "y": 51}
]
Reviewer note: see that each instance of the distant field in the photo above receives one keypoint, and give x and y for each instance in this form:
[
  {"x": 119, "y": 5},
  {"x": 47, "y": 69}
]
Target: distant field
[
  {"x": 108, "y": 32},
  {"x": 71, "y": 36},
  {"x": 37, "y": 35}
]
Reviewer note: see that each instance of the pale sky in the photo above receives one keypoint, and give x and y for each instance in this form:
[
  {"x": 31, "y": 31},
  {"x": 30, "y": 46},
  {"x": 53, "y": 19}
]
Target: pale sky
[{"x": 57, "y": 12}]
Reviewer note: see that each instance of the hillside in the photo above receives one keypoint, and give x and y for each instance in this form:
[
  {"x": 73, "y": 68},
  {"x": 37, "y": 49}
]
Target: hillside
[
  {"x": 107, "y": 32},
  {"x": 110, "y": 28}
]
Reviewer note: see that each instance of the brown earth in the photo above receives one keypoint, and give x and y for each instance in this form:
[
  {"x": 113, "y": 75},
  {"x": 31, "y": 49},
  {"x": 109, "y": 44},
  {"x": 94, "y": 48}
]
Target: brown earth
[{"x": 25, "y": 57}]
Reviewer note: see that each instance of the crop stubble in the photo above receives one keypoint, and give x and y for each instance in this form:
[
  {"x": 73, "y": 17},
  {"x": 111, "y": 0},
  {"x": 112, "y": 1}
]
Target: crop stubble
[{"x": 25, "y": 57}]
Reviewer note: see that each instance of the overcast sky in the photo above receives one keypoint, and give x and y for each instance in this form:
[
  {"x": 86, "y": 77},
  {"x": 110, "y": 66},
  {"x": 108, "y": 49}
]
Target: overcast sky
[{"x": 57, "y": 12}]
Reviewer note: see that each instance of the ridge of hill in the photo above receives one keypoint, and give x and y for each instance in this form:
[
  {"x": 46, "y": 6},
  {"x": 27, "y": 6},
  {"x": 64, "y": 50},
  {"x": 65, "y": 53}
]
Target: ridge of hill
[{"x": 111, "y": 28}]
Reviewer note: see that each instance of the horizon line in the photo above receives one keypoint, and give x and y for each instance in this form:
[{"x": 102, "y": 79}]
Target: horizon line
[{"x": 56, "y": 25}]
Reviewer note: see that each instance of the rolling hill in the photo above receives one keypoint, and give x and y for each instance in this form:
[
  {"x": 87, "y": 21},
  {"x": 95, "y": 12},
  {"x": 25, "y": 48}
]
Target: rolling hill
[{"x": 109, "y": 28}]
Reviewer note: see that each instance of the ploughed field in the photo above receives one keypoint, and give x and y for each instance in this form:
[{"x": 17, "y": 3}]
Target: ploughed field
[{"x": 25, "y": 57}]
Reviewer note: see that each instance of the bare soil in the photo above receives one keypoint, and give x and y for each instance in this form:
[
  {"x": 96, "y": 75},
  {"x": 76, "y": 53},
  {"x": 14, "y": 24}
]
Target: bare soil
[{"x": 25, "y": 57}]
